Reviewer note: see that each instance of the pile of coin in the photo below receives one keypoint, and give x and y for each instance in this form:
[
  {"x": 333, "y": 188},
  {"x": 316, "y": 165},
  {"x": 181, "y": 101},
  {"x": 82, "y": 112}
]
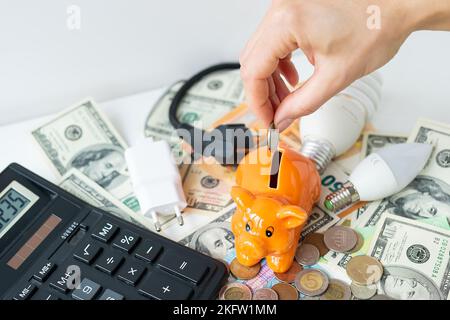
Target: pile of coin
[{"x": 302, "y": 280}]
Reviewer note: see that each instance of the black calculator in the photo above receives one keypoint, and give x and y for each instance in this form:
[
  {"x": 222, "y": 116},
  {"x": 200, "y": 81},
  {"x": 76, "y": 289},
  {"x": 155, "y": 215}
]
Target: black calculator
[{"x": 55, "y": 246}]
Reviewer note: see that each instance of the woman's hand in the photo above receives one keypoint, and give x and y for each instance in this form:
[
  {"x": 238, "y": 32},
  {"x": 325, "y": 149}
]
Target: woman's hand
[{"x": 343, "y": 39}]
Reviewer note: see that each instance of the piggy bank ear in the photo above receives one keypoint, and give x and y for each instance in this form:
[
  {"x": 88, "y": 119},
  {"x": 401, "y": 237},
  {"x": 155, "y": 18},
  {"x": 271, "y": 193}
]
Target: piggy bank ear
[
  {"x": 243, "y": 198},
  {"x": 292, "y": 216}
]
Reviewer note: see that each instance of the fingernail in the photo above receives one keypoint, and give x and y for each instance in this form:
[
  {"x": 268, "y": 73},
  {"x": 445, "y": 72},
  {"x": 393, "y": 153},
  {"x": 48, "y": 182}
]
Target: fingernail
[{"x": 284, "y": 124}]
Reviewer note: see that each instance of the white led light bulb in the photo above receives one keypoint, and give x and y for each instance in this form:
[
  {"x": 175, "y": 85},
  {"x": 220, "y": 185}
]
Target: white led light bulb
[
  {"x": 381, "y": 174},
  {"x": 336, "y": 126}
]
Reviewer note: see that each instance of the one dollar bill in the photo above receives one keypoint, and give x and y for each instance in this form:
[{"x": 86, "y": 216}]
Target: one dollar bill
[{"x": 83, "y": 138}]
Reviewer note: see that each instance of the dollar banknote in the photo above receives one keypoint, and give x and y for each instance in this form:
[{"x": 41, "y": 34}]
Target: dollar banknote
[
  {"x": 415, "y": 256},
  {"x": 82, "y": 187},
  {"x": 427, "y": 196},
  {"x": 319, "y": 221},
  {"x": 215, "y": 237},
  {"x": 208, "y": 100},
  {"x": 203, "y": 191},
  {"x": 373, "y": 141},
  {"x": 83, "y": 138}
]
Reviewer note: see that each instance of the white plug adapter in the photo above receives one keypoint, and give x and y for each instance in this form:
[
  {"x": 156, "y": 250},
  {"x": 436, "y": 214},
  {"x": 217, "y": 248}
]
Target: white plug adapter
[{"x": 156, "y": 180}]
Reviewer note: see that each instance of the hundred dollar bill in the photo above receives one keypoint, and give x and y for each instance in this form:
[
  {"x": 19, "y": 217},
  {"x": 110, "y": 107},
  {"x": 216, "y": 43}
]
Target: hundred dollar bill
[
  {"x": 83, "y": 138},
  {"x": 373, "y": 141},
  {"x": 82, "y": 187},
  {"x": 213, "y": 238},
  {"x": 207, "y": 101},
  {"x": 427, "y": 196},
  {"x": 415, "y": 256},
  {"x": 338, "y": 261},
  {"x": 204, "y": 192}
]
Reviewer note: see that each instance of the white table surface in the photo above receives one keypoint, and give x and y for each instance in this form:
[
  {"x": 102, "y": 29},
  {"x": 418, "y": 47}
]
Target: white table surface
[{"x": 416, "y": 84}]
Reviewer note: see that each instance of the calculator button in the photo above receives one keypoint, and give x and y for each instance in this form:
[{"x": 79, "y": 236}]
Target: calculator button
[
  {"x": 104, "y": 231},
  {"x": 87, "y": 290},
  {"x": 111, "y": 295},
  {"x": 109, "y": 261},
  {"x": 131, "y": 272},
  {"x": 44, "y": 294},
  {"x": 63, "y": 280},
  {"x": 164, "y": 287},
  {"x": 126, "y": 240},
  {"x": 43, "y": 273},
  {"x": 188, "y": 268},
  {"x": 87, "y": 251},
  {"x": 26, "y": 292},
  {"x": 148, "y": 250}
]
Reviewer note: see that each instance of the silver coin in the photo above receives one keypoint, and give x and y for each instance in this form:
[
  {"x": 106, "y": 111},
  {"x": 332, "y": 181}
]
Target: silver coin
[
  {"x": 381, "y": 297},
  {"x": 307, "y": 254},
  {"x": 265, "y": 294},
  {"x": 310, "y": 298},
  {"x": 340, "y": 239},
  {"x": 363, "y": 292}
]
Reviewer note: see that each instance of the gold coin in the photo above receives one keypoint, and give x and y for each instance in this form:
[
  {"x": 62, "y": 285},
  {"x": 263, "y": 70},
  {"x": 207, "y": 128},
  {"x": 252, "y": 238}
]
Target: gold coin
[
  {"x": 364, "y": 270},
  {"x": 316, "y": 239},
  {"x": 311, "y": 282},
  {"x": 289, "y": 276},
  {"x": 285, "y": 291},
  {"x": 243, "y": 272},
  {"x": 237, "y": 291},
  {"x": 337, "y": 290}
]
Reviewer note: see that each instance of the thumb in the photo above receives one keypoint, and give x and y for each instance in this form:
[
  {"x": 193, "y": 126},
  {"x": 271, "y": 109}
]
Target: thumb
[{"x": 318, "y": 89}]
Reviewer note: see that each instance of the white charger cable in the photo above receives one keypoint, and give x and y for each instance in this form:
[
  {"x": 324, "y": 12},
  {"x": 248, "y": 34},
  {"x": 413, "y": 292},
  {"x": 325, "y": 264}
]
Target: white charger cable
[{"x": 156, "y": 180}]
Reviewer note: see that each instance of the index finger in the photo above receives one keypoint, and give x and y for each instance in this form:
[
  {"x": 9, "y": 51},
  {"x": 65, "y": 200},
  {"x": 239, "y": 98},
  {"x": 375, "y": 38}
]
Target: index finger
[{"x": 257, "y": 66}]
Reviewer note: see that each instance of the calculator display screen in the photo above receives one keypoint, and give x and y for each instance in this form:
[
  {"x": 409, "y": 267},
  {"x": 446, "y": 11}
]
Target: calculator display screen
[{"x": 15, "y": 201}]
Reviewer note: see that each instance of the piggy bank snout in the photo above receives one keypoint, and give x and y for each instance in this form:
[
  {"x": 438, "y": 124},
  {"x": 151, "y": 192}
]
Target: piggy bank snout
[{"x": 251, "y": 249}]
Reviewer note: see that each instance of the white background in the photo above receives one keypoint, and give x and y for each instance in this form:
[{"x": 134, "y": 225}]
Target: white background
[{"x": 125, "y": 47}]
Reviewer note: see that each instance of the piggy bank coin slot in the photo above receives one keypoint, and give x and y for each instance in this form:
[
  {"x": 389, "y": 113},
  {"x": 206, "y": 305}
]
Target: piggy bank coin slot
[{"x": 274, "y": 169}]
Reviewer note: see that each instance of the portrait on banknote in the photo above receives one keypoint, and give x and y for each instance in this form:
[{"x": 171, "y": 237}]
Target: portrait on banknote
[
  {"x": 104, "y": 164},
  {"x": 425, "y": 197},
  {"x": 403, "y": 283},
  {"x": 215, "y": 240}
]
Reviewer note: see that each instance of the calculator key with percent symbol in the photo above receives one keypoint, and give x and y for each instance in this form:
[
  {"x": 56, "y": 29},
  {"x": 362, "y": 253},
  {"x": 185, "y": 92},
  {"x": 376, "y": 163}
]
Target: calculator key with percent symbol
[{"x": 54, "y": 246}]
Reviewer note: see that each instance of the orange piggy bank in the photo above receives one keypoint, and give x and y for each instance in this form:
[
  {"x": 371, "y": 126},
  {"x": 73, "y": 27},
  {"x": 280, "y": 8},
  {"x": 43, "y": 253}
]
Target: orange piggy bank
[{"x": 272, "y": 207}]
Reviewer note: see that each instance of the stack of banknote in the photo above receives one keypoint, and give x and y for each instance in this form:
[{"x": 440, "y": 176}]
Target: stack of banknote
[{"x": 407, "y": 233}]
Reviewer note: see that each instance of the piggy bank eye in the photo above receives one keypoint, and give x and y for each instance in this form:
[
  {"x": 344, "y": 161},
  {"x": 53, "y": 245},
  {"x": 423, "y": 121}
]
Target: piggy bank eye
[
  {"x": 269, "y": 232},
  {"x": 247, "y": 227}
]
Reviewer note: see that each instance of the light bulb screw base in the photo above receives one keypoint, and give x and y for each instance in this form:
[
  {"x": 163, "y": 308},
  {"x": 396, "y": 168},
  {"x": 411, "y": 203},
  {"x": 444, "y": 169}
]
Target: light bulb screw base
[
  {"x": 342, "y": 198},
  {"x": 321, "y": 152}
]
